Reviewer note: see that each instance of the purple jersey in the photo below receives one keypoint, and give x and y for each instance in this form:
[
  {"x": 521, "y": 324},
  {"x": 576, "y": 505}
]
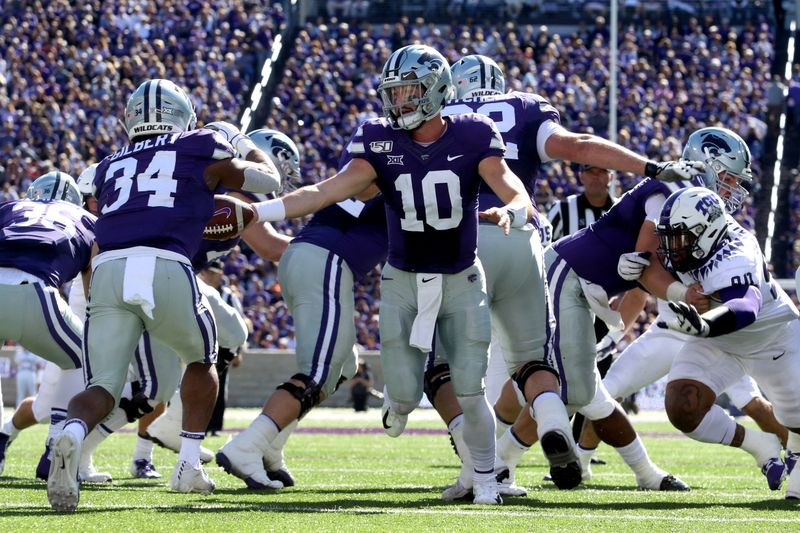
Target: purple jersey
[
  {"x": 153, "y": 193},
  {"x": 49, "y": 240},
  {"x": 353, "y": 230},
  {"x": 518, "y": 116},
  {"x": 593, "y": 252},
  {"x": 431, "y": 192}
]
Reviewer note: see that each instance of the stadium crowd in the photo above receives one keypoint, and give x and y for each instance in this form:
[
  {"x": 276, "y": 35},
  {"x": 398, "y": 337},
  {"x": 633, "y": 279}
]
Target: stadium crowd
[{"x": 66, "y": 68}]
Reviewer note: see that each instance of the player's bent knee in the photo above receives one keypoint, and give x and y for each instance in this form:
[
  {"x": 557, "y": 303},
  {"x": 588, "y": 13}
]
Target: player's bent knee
[
  {"x": 530, "y": 368},
  {"x": 435, "y": 378},
  {"x": 599, "y": 408},
  {"x": 309, "y": 396}
]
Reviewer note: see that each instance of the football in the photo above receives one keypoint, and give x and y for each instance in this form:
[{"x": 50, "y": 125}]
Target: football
[{"x": 230, "y": 217}]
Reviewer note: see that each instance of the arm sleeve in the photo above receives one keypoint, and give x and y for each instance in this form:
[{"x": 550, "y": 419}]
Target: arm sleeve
[{"x": 740, "y": 309}]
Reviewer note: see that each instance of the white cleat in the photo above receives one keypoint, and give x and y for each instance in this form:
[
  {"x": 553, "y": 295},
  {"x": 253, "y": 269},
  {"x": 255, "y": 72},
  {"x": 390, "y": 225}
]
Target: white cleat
[
  {"x": 393, "y": 423},
  {"x": 275, "y": 465},
  {"x": 457, "y": 492},
  {"x": 793, "y": 485},
  {"x": 89, "y": 474},
  {"x": 487, "y": 494},
  {"x": 166, "y": 432},
  {"x": 63, "y": 490},
  {"x": 507, "y": 485},
  {"x": 247, "y": 463},
  {"x": 186, "y": 478}
]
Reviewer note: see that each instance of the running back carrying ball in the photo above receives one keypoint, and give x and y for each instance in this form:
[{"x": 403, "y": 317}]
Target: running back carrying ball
[{"x": 230, "y": 217}]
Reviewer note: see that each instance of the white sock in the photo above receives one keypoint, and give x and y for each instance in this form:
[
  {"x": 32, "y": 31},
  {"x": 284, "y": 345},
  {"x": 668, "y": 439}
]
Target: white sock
[
  {"x": 793, "y": 442},
  {"x": 479, "y": 432},
  {"x": 501, "y": 426},
  {"x": 716, "y": 427},
  {"x": 585, "y": 456},
  {"x": 635, "y": 456},
  {"x": 456, "y": 429},
  {"x": 280, "y": 441},
  {"x": 76, "y": 427},
  {"x": 144, "y": 449},
  {"x": 11, "y": 430},
  {"x": 57, "y": 419},
  {"x": 510, "y": 449},
  {"x": 190, "y": 447},
  {"x": 762, "y": 446},
  {"x": 91, "y": 442},
  {"x": 550, "y": 413}
]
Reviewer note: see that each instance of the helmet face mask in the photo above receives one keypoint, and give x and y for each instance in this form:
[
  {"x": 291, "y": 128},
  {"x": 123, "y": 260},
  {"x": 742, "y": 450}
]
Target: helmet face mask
[
  {"x": 55, "y": 185},
  {"x": 157, "y": 107},
  {"x": 690, "y": 229},
  {"x": 415, "y": 85},
  {"x": 477, "y": 75},
  {"x": 727, "y": 160},
  {"x": 284, "y": 154}
]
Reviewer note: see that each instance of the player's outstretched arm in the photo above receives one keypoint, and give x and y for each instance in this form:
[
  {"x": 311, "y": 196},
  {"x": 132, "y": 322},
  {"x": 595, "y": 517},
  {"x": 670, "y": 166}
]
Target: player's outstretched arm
[
  {"x": 602, "y": 153},
  {"x": 508, "y": 187},
  {"x": 353, "y": 179}
]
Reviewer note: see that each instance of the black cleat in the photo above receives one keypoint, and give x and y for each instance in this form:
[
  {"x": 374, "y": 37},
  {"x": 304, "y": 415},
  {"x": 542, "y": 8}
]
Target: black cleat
[
  {"x": 672, "y": 484},
  {"x": 565, "y": 468}
]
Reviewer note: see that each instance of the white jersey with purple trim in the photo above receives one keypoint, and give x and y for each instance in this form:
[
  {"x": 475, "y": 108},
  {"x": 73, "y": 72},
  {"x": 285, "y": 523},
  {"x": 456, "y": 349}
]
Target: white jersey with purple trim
[{"x": 739, "y": 261}]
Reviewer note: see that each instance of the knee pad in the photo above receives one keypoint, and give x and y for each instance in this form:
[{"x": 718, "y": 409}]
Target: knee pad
[
  {"x": 308, "y": 396},
  {"x": 521, "y": 376},
  {"x": 435, "y": 377},
  {"x": 138, "y": 405}
]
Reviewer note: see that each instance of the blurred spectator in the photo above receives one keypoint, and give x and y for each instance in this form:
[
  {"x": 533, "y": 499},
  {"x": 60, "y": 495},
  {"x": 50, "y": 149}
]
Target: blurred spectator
[
  {"x": 361, "y": 386},
  {"x": 27, "y": 363}
]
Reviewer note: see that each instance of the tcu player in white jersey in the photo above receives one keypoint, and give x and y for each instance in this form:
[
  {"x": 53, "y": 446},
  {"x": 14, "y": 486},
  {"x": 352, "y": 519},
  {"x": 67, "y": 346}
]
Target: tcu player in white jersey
[
  {"x": 753, "y": 328},
  {"x": 650, "y": 356},
  {"x": 521, "y": 310}
]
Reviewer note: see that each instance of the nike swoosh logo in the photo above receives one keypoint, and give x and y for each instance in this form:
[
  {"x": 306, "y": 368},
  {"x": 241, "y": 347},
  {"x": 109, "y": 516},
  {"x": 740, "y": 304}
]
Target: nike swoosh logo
[
  {"x": 454, "y": 157},
  {"x": 383, "y": 420},
  {"x": 223, "y": 210},
  {"x": 63, "y": 466},
  {"x": 427, "y": 280},
  {"x": 776, "y": 357},
  {"x": 386, "y": 279}
]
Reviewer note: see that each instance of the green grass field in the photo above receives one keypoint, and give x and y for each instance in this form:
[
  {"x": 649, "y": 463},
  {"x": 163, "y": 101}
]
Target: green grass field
[{"x": 365, "y": 481}]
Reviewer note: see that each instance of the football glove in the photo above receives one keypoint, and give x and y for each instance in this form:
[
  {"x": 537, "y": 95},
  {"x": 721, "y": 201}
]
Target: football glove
[
  {"x": 241, "y": 142},
  {"x": 631, "y": 265},
  {"x": 670, "y": 171},
  {"x": 687, "y": 320},
  {"x": 608, "y": 344}
]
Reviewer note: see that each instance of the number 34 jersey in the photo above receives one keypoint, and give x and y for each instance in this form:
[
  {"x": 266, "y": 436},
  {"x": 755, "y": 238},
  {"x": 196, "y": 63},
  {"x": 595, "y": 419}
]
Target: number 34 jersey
[
  {"x": 431, "y": 192},
  {"x": 152, "y": 192},
  {"x": 739, "y": 261}
]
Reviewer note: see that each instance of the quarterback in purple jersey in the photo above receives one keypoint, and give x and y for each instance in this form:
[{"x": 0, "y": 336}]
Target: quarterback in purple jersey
[
  {"x": 155, "y": 196},
  {"x": 429, "y": 169},
  {"x": 45, "y": 241},
  {"x": 339, "y": 245}
]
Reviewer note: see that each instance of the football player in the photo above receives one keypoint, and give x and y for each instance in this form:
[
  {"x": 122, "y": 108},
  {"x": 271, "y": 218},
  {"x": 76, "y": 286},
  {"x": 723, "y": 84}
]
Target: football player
[
  {"x": 752, "y": 328},
  {"x": 521, "y": 312},
  {"x": 45, "y": 241},
  {"x": 154, "y": 196},
  {"x": 339, "y": 245},
  {"x": 429, "y": 169}
]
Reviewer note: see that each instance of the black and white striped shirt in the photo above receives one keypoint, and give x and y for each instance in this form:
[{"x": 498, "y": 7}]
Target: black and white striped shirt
[{"x": 574, "y": 213}]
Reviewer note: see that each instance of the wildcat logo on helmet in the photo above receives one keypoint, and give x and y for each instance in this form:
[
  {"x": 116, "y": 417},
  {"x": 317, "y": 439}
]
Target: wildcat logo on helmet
[
  {"x": 715, "y": 145},
  {"x": 380, "y": 147}
]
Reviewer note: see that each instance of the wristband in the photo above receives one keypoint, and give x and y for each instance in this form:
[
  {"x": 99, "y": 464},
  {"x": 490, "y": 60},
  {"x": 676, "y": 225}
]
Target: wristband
[
  {"x": 270, "y": 210},
  {"x": 650, "y": 169},
  {"x": 676, "y": 292},
  {"x": 518, "y": 216},
  {"x": 244, "y": 145}
]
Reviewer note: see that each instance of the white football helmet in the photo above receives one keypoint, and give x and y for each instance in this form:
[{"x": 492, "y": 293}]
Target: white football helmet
[
  {"x": 414, "y": 76},
  {"x": 157, "y": 107},
  {"x": 691, "y": 227},
  {"x": 55, "y": 185},
  {"x": 477, "y": 75},
  {"x": 727, "y": 160},
  {"x": 283, "y": 152}
]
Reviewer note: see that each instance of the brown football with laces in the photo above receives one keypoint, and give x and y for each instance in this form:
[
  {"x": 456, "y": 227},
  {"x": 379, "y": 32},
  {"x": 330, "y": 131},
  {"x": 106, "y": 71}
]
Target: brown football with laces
[{"x": 231, "y": 216}]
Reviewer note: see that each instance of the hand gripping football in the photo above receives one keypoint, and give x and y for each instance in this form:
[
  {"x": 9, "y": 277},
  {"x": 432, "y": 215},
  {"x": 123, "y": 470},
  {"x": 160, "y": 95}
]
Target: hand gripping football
[{"x": 231, "y": 216}]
